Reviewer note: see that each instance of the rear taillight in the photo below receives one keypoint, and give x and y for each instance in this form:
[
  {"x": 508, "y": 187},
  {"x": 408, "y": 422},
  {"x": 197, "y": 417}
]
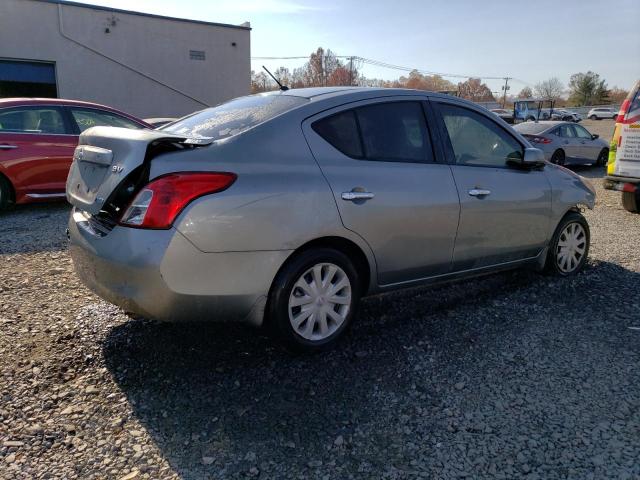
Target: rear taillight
[
  {"x": 538, "y": 139},
  {"x": 159, "y": 203},
  {"x": 624, "y": 108}
]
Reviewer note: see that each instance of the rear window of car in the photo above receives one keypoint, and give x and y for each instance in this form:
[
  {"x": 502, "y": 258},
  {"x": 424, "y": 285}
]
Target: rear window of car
[
  {"x": 531, "y": 128},
  {"x": 233, "y": 117}
]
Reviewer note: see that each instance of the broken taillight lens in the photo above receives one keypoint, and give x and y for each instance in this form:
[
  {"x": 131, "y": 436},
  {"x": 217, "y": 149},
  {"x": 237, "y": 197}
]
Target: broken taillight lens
[{"x": 159, "y": 203}]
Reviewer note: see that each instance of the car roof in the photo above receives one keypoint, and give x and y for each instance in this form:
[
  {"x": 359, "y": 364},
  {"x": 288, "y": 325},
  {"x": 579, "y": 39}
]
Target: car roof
[
  {"x": 20, "y": 101},
  {"x": 317, "y": 93}
]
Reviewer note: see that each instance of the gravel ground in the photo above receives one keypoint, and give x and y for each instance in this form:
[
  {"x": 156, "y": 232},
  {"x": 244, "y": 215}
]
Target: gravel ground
[{"x": 510, "y": 376}]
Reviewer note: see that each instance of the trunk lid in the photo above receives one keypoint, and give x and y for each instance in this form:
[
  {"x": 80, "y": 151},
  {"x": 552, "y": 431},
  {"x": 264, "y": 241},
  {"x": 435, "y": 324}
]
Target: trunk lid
[{"x": 106, "y": 156}]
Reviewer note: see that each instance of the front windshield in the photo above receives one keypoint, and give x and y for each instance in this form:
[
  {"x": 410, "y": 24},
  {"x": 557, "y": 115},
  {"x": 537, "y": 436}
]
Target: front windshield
[{"x": 233, "y": 117}]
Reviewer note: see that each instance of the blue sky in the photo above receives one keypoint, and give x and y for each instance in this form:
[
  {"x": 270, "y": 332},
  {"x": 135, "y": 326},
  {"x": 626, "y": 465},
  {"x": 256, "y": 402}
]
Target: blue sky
[{"x": 530, "y": 40}]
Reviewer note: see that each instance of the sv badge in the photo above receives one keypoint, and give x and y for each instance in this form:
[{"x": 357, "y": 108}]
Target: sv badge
[{"x": 117, "y": 168}]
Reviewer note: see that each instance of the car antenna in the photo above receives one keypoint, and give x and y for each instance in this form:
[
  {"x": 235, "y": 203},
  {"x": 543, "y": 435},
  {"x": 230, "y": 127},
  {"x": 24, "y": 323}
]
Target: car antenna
[{"x": 284, "y": 88}]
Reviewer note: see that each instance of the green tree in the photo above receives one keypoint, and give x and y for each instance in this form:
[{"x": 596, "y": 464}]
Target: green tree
[{"x": 587, "y": 89}]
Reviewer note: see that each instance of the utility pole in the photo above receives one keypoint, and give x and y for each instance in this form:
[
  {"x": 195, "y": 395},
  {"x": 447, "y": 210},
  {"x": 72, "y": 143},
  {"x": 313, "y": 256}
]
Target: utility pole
[
  {"x": 504, "y": 90},
  {"x": 351, "y": 71}
]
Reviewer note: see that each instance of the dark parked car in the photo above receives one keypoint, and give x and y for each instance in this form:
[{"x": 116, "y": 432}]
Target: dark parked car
[{"x": 37, "y": 140}]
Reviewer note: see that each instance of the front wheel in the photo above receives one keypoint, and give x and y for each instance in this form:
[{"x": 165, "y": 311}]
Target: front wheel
[
  {"x": 602, "y": 158},
  {"x": 313, "y": 300},
  {"x": 631, "y": 201},
  {"x": 593, "y": 117},
  {"x": 569, "y": 246}
]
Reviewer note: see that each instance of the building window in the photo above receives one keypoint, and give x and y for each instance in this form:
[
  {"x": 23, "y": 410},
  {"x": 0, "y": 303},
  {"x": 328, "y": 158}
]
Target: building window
[
  {"x": 27, "y": 79},
  {"x": 196, "y": 54}
]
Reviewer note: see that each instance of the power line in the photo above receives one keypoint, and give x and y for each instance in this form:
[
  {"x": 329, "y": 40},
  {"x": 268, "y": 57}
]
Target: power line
[{"x": 378, "y": 63}]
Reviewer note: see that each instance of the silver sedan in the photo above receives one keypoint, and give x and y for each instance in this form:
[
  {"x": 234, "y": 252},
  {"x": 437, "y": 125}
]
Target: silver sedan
[
  {"x": 284, "y": 209},
  {"x": 565, "y": 143}
]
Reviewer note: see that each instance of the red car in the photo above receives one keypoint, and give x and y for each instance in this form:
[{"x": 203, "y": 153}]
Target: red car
[{"x": 37, "y": 140}]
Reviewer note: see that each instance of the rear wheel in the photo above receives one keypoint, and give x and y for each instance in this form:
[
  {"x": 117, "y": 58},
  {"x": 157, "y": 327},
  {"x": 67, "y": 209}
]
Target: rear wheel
[
  {"x": 313, "y": 300},
  {"x": 631, "y": 201},
  {"x": 558, "y": 157},
  {"x": 602, "y": 158},
  {"x": 569, "y": 246},
  {"x": 6, "y": 194}
]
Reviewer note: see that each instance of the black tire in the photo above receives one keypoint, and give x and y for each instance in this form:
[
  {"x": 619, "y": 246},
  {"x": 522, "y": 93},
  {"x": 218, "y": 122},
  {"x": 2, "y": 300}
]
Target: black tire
[
  {"x": 553, "y": 264},
  {"x": 593, "y": 117},
  {"x": 631, "y": 201},
  {"x": 6, "y": 194},
  {"x": 603, "y": 157},
  {"x": 558, "y": 157},
  {"x": 278, "y": 318}
]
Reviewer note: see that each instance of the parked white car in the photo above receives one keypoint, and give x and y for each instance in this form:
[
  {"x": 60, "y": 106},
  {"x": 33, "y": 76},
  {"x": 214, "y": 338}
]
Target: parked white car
[{"x": 602, "y": 112}]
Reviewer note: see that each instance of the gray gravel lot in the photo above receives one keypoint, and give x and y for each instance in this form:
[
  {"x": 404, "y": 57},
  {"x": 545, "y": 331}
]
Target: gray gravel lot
[{"x": 516, "y": 375}]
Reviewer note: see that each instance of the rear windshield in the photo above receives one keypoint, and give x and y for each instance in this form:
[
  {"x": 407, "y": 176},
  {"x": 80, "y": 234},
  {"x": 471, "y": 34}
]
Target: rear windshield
[
  {"x": 233, "y": 117},
  {"x": 531, "y": 127}
]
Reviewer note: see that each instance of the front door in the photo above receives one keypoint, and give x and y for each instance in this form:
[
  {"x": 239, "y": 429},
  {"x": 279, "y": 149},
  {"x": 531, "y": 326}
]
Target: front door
[
  {"x": 587, "y": 148},
  {"x": 505, "y": 210},
  {"x": 389, "y": 184}
]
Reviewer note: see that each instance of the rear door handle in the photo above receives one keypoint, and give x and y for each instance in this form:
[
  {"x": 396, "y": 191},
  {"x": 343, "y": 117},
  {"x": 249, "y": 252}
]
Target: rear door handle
[
  {"x": 5, "y": 146},
  {"x": 479, "y": 192},
  {"x": 352, "y": 196}
]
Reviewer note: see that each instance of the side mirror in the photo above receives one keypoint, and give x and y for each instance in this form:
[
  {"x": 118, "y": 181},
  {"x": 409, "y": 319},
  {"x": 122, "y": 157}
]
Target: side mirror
[
  {"x": 594, "y": 136},
  {"x": 533, "y": 158}
]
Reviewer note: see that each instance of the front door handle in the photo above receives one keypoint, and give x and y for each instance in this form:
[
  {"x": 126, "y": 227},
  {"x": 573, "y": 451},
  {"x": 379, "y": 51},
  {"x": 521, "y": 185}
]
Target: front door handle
[
  {"x": 479, "y": 192},
  {"x": 5, "y": 146},
  {"x": 354, "y": 196}
]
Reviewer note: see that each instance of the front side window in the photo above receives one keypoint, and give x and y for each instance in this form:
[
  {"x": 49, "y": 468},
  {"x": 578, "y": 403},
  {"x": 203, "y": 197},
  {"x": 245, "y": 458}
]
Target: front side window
[
  {"x": 388, "y": 132},
  {"x": 582, "y": 132},
  {"x": 41, "y": 120},
  {"x": 476, "y": 140},
  {"x": 87, "y": 118}
]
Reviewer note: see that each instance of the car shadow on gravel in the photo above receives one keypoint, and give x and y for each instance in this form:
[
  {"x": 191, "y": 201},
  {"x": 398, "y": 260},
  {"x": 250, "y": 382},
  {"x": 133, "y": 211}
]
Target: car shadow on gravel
[
  {"x": 34, "y": 228},
  {"x": 218, "y": 399}
]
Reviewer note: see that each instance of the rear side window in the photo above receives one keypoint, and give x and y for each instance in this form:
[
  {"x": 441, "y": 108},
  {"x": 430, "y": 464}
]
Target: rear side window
[
  {"x": 566, "y": 131},
  {"x": 234, "y": 117},
  {"x": 42, "y": 120},
  {"x": 389, "y": 132},
  {"x": 88, "y": 117},
  {"x": 341, "y": 131}
]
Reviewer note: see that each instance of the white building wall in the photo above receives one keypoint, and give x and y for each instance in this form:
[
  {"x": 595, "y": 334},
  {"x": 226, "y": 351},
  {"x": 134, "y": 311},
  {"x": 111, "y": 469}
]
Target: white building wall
[{"x": 140, "y": 65}]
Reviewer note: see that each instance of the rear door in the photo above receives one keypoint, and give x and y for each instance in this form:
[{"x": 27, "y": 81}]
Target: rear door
[
  {"x": 569, "y": 142},
  {"x": 390, "y": 185},
  {"x": 36, "y": 149},
  {"x": 505, "y": 210}
]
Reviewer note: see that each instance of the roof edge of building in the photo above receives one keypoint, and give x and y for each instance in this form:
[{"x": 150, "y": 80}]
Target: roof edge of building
[{"x": 142, "y": 14}]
